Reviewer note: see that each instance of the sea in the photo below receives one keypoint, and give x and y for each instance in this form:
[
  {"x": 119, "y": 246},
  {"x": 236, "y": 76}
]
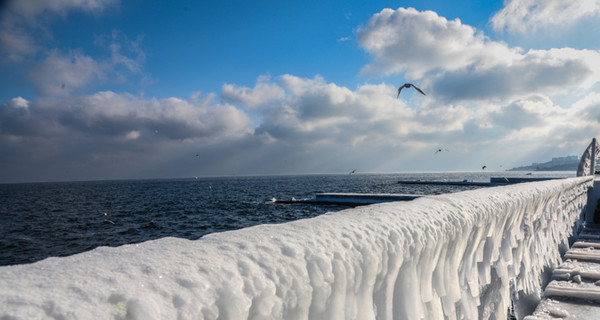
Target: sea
[{"x": 41, "y": 220}]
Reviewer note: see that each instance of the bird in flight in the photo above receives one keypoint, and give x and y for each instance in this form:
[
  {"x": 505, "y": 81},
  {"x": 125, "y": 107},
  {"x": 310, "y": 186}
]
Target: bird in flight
[
  {"x": 483, "y": 168},
  {"x": 408, "y": 85},
  {"x": 440, "y": 150}
]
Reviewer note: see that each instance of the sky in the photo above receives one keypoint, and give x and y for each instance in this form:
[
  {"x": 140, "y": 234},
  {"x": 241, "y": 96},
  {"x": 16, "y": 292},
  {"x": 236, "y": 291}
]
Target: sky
[{"x": 109, "y": 89}]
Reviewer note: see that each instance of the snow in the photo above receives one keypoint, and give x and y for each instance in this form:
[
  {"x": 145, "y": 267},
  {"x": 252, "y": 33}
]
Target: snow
[{"x": 453, "y": 256}]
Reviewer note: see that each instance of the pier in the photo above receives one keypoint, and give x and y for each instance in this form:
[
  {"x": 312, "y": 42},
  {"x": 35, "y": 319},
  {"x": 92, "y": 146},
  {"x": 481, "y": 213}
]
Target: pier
[
  {"x": 494, "y": 181},
  {"x": 352, "y": 199},
  {"x": 359, "y": 199}
]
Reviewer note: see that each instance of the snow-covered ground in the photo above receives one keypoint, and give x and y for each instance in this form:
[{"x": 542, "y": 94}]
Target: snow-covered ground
[{"x": 448, "y": 256}]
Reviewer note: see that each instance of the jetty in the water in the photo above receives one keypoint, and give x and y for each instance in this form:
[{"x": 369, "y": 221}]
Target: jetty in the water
[
  {"x": 359, "y": 199},
  {"x": 494, "y": 181},
  {"x": 352, "y": 199}
]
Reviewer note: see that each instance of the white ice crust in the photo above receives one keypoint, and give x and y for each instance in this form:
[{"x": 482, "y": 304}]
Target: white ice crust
[{"x": 453, "y": 256}]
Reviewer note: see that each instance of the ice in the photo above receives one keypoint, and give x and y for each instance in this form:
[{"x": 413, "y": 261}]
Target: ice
[
  {"x": 453, "y": 256},
  {"x": 587, "y": 163}
]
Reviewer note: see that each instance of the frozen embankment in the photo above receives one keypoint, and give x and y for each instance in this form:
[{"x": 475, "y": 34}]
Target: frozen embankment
[{"x": 449, "y": 256}]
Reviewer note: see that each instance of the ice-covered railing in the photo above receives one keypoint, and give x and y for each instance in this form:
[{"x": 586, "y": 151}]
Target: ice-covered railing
[
  {"x": 587, "y": 162},
  {"x": 448, "y": 256}
]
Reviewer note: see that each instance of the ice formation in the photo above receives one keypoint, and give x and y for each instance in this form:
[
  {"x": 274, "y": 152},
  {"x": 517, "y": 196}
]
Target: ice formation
[
  {"x": 453, "y": 256},
  {"x": 587, "y": 163}
]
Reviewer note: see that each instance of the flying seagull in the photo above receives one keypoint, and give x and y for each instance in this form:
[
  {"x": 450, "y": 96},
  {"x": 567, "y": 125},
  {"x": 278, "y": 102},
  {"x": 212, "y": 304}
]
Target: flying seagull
[
  {"x": 440, "y": 150},
  {"x": 408, "y": 85}
]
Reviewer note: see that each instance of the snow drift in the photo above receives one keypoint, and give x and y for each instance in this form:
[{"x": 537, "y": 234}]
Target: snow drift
[{"x": 454, "y": 256}]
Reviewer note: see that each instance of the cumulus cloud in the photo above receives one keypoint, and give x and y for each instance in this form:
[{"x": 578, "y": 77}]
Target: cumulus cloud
[
  {"x": 550, "y": 72},
  {"x": 110, "y": 115},
  {"x": 327, "y": 120},
  {"x": 407, "y": 40},
  {"x": 315, "y": 110},
  {"x": 298, "y": 85},
  {"x": 262, "y": 93},
  {"x": 522, "y": 16},
  {"x": 317, "y": 113},
  {"x": 532, "y": 112},
  {"x": 65, "y": 72},
  {"x": 459, "y": 63}
]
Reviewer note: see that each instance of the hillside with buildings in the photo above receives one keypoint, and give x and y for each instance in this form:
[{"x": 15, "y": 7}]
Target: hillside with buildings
[{"x": 556, "y": 164}]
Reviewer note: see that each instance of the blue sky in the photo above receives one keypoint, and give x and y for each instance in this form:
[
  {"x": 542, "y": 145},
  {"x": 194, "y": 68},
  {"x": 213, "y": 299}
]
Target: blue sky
[{"x": 108, "y": 89}]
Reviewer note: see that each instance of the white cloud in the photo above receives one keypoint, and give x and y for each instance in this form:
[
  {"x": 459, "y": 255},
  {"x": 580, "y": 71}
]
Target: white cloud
[
  {"x": 522, "y": 16},
  {"x": 132, "y": 135},
  {"x": 457, "y": 63},
  {"x": 113, "y": 115},
  {"x": 60, "y": 73},
  {"x": 317, "y": 112},
  {"x": 548, "y": 72},
  {"x": 18, "y": 102},
  {"x": 298, "y": 85},
  {"x": 262, "y": 93},
  {"x": 406, "y": 40},
  {"x": 535, "y": 114}
]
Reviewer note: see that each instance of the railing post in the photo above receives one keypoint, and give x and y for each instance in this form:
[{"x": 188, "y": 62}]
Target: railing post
[{"x": 593, "y": 157}]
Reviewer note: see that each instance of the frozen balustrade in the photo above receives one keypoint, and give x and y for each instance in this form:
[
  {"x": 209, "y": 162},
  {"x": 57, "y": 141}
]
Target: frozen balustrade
[{"x": 448, "y": 256}]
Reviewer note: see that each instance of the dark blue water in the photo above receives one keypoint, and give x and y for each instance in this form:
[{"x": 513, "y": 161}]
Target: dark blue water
[{"x": 41, "y": 220}]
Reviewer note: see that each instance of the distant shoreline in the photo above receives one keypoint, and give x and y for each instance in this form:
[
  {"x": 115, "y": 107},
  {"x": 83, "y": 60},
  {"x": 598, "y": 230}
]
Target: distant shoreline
[{"x": 557, "y": 164}]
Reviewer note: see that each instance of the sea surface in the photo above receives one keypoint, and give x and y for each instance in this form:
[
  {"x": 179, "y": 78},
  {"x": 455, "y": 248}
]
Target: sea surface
[{"x": 40, "y": 220}]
